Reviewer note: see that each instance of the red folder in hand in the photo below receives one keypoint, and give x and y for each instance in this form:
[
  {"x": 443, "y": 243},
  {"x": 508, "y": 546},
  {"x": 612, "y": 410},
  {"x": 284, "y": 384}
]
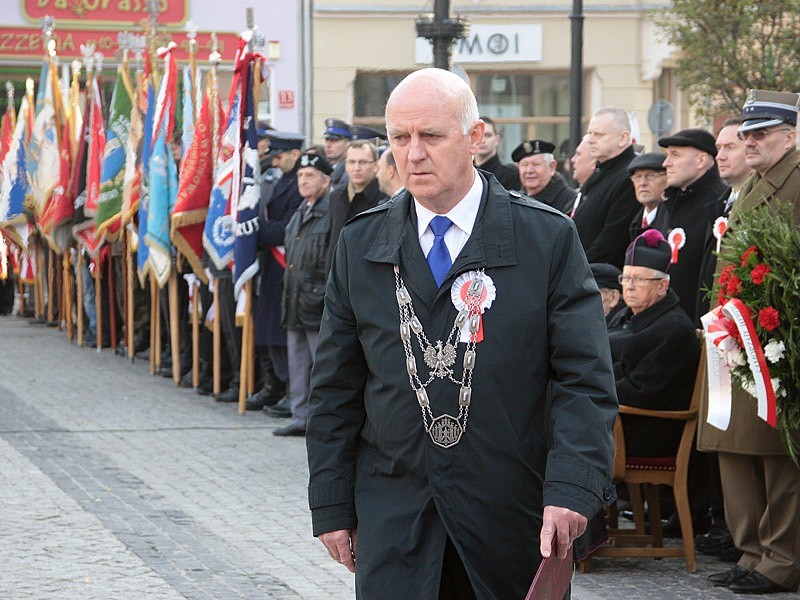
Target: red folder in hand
[{"x": 553, "y": 577}]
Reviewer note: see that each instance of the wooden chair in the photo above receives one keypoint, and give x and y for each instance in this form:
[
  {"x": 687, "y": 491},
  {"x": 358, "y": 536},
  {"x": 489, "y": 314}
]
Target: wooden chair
[{"x": 648, "y": 473}]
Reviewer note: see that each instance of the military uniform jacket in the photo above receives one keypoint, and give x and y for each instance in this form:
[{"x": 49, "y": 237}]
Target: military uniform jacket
[
  {"x": 608, "y": 203},
  {"x": 747, "y": 433},
  {"x": 539, "y": 429},
  {"x": 690, "y": 210},
  {"x": 279, "y": 208},
  {"x": 558, "y": 194},
  {"x": 655, "y": 356},
  {"x": 307, "y": 238}
]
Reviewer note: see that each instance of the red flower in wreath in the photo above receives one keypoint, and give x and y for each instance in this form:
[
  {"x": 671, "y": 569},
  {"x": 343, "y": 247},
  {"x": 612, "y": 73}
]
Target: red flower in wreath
[
  {"x": 734, "y": 286},
  {"x": 726, "y": 273},
  {"x": 769, "y": 318},
  {"x": 757, "y": 274},
  {"x": 747, "y": 254}
]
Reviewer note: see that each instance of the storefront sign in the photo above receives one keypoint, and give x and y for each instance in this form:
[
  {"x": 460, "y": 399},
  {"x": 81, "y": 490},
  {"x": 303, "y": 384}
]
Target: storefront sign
[
  {"x": 286, "y": 99},
  {"x": 100, "y": 13},
  {"x": 489, "y": 44},
  {"x": 21, "y": 42}
]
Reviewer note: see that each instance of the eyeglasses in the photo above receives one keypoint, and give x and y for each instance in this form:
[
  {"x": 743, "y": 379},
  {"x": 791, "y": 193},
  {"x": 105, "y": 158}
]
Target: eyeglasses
[
  {"x": 636, "y": 281},
  {"x": 758, "y": 135},
  {"x": 646, "y": 177},
  {"x": 358, "y": 163}
]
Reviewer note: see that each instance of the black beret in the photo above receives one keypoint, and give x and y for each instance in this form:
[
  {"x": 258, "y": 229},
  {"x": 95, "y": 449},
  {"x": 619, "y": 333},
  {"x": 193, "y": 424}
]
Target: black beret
[
  {"x": 317, "y": 161},
  {"x": 531, "y": 148},
  {"x": 648, "y": 160},
  {"x": 606, "y": 276},
  {"x": 693, "y": 138}
]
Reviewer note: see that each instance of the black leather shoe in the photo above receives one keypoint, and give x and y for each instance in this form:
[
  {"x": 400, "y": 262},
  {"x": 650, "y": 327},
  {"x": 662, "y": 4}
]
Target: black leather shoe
[
  {"x": 726, "y": 578},
  {"x": 290, "y": 431},
  {"x": 256, "y": 402},
  {"x": 282, "y": 410},
  {"x": 206, "y": 388},
  {"x": 755, "y": 583},
  {"x": 718, "y": 542},
  {"x": 187, "y": 381},
  {"x": 229, "y": 395}
]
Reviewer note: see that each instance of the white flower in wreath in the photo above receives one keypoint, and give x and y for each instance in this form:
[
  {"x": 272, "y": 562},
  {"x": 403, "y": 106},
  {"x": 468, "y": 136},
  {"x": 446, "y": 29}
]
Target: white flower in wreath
[
  {"x": 774, "y": 351},
  {"x": 736, "y": 357},
  {"x": 776, "y": 387},
  {"x": 750, "y": 387}
]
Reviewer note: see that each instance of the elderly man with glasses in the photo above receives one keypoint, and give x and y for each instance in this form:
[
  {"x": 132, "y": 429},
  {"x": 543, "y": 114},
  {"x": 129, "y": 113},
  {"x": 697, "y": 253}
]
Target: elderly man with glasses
[
  {"x": 654, "y": 348},
  {"x": 760, "y": 483},
  {"x": 649, "y": 179}
]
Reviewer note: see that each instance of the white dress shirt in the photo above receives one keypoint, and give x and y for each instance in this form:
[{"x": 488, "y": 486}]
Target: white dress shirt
[{"x": 462, "y": 215}]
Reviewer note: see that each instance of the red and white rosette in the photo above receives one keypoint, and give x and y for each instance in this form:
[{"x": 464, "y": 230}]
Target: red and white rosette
[
  {"x": 458, "y": 294},
  {"x": 720, "y": 227},
  {"x": 677, "y": 240},
  {"x": 717, "y": 325}
]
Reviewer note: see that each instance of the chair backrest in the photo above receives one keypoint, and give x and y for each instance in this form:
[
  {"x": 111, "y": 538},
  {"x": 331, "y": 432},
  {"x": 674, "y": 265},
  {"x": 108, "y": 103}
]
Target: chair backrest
[{"x": 690, "y": 428}]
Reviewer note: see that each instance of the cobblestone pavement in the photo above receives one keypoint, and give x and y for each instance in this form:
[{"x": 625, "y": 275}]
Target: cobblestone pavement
[{"x": 116, "y": 484}]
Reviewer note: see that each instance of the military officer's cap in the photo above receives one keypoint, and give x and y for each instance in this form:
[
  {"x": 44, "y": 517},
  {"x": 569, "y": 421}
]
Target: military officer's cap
[
  {"x": 337, "y": 129},
  {"x": 283, "y": 141},
  {"x": 531, "y": 148},
  {"x": 362, "y": 132},
  {"x": 766, "y": 109}
]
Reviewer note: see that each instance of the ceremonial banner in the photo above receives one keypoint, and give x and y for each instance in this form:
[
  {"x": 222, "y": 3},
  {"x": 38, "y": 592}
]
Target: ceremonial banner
[
  {"x": 194, "y": 190},
  {"x": 14, "y": 185},
  {"x": 60, "y": 209},
  {"x": 132, "y": 180},
  {"x": 97, "y": 144},
  {"x": 245, "y": 214},
  {"x": 43, "y": 157},
  {"x": 142, "y": 250},
  {"x": 218, "y": 238},
  {"x": 163, "y": 183},
  {"x": 191, "y": 90},
  {"x": 109, "y": 204}
]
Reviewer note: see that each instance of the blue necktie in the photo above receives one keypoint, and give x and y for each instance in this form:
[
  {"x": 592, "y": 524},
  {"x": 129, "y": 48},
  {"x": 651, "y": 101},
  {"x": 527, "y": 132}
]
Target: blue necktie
[{"x": 439, "y": 256}]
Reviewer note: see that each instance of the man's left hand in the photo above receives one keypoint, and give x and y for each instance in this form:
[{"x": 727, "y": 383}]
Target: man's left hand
[{"x": 563, "y": 525}]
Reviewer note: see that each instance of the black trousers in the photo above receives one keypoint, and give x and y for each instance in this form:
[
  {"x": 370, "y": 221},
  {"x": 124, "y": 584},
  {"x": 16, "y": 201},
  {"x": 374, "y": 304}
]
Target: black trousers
[{"x": 454, "y": 584}]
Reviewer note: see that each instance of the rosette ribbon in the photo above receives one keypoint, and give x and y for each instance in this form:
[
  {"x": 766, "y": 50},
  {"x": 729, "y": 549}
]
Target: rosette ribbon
[{"x": 676, "y": 239}]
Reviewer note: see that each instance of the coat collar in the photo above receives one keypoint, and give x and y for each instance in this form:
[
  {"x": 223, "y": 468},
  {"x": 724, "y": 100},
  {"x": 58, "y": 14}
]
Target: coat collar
[
  {"x": 758, "y": 190},
  {"x": 648, "y": 316},
  {"x": 491, "y": 244}
]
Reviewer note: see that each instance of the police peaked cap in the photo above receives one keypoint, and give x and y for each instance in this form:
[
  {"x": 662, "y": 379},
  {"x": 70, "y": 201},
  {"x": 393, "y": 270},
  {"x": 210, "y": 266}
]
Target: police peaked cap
[
  {"x": 362, "y": 132},
  {"x": 283, "y": 141},
  {"x": 336, "y": 128}
]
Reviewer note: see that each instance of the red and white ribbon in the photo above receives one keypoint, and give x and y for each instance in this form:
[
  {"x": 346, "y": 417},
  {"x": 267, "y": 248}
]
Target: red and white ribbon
[
  {"x": 718, "y": 373},
  {"x": 458, "y": 294},
  {"x": 767, "y": 405},
  {"x": 676, "y": 239}
]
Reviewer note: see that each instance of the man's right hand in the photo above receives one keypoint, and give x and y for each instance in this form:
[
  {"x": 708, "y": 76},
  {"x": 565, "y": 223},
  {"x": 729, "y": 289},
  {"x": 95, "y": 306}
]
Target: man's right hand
[{"x": 341, "y": 545}]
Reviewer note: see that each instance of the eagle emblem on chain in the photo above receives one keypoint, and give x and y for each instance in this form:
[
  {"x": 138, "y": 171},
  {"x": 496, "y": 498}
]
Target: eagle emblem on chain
[{"x": 440, "y": 358}]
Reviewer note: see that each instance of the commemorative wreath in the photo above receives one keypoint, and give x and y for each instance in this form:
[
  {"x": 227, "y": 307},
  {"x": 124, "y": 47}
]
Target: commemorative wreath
[{"x": 757, "y": 330}]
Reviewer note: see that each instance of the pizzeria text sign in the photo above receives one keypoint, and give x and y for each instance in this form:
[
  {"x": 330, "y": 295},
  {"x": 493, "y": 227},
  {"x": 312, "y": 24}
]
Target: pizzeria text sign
[
  {"x": 108, "y": 13},
  {"x": 21, "y": 42}
]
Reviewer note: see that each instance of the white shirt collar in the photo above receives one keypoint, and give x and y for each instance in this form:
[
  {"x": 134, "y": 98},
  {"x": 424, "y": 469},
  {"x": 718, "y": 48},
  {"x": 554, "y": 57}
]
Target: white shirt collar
[{"x": 462, "y": 215}]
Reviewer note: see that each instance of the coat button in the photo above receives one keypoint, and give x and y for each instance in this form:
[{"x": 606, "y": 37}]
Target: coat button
[
  {"x": 291, "y": 266},
  {"x": 607, "y": 493}
]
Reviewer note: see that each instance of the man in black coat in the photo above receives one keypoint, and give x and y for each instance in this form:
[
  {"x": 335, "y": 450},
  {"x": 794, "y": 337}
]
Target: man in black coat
[
  {"x": 540, "y": 180},
  {"x": 278, "y": 208},
  {"x": 433, "y": 300},
  {"x": 486, "y": 159},
  {"x": 607, "y": 202},
  {"x": 362, "y": 190},
  {"x": 653, "y": 347},
  {"x": 649, "y": 179},
  {"x": 692, "y": 199}
]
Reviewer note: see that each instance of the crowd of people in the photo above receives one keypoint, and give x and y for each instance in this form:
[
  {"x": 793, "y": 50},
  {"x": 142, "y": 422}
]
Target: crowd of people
[{"x": 427, "y": 222}]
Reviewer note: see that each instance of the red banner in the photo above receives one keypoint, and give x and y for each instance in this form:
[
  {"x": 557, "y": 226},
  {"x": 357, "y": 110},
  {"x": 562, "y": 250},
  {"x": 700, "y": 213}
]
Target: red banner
[
  {"x": 110, "y": 12},
  {"x": 16, "y": 42}
]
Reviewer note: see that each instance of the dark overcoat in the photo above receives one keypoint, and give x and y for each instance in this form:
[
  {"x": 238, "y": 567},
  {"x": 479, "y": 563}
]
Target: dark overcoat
[
  {"x": 507, "y": 175},
  {"x": 342, "y": 209},
  {"x": 659, "y": 223},
  {"x": 558, "y": 194},
  {"x": 543, "y": 401},
  {"x": 694, "y": 210},
  {"x": 747, "y": 433},
  {"x": 655, "y": 356},
  {"x": 280, "y": 207},
  {"x": 608, "y": 203}
]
